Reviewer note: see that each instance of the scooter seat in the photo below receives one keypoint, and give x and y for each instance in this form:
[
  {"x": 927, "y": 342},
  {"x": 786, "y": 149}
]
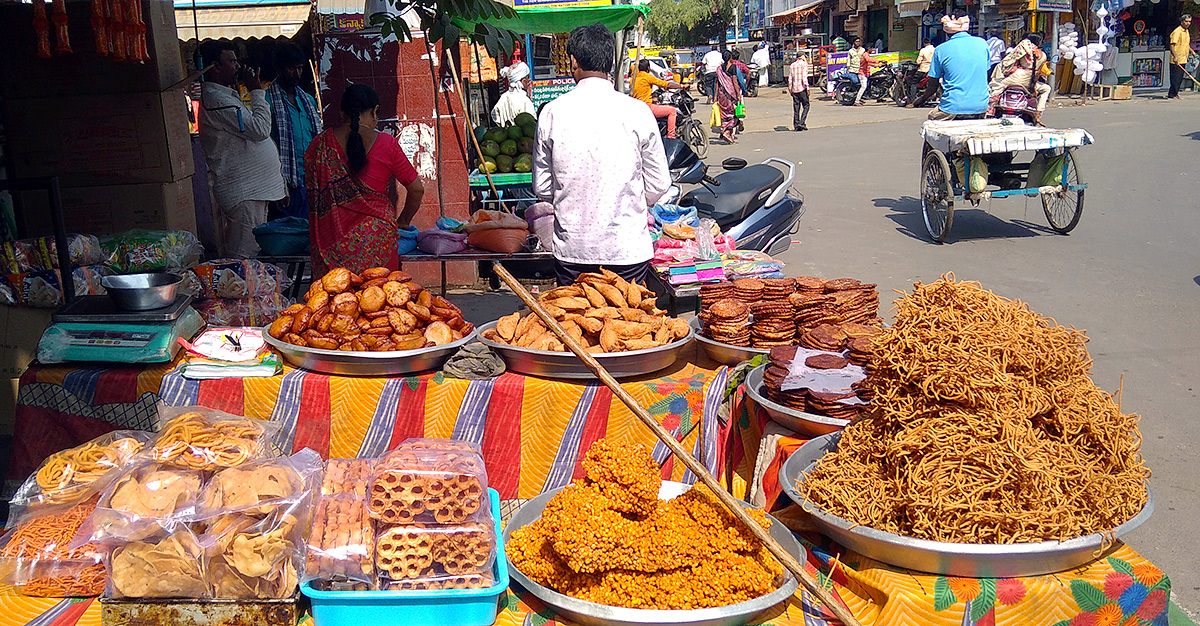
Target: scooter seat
[{"x": 739, "y": 194}]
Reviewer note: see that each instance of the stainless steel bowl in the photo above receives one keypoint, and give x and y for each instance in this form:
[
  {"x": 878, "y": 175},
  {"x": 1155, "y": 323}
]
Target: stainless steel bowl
[
  {"x": 723, "y": 352},
  {"x": 971, "y": 560},
  {"x": 351, "y": 363},
  {"x": 142, "y": 292},
  {"x": 595, "y": 614},
  {"x": 550, "y": 364},
  {"x": 798, "y": 421}
]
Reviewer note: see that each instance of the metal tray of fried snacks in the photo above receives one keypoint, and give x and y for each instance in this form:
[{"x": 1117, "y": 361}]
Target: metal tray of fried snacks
[
  {"x": 968, "y": 560},
  {"x": 354, "y": 363},
  {"x": 549, "y": 364},
  {"x": 797, "y": 421},
  {"x": 595, "y": 614},
  {"x": 723, "y": 352}
]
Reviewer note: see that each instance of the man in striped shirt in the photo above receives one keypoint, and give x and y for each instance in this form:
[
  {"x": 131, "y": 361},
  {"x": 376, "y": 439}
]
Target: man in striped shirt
[{"x": 798, "y": 86}]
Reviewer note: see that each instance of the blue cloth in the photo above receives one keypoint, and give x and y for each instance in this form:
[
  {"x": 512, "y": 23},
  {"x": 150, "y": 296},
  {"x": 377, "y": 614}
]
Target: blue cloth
[
  {"x": 450, "y": 224},
  {"x": 303, "y": 130},
  {"x": 295, "y": 206},
  {"x": 854, "y": 78},
  {"x": 291, "y": 150},
  {"x": 962, "y": 64},
  {"x": 406, "y": 243},
  {"x": 672, "y": 213},
  {"x": 741, "y": 79}
]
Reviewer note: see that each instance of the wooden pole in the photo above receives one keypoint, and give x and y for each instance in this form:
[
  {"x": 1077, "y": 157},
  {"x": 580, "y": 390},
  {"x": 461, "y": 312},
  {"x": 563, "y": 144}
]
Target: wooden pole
[
  {"x": 637, "y": 58},
  {"x": 735, "y": 507},
  {"x": 471, "y": 131},
  {"x": 316, "y": 86}
]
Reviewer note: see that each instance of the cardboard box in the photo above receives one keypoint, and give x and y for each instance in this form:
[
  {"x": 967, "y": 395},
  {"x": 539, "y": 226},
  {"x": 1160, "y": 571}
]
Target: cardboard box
[
  {"x": 101, "y": 140},
  {"x": 83, "y": 72},
  {"x": 1122, "y": 92},
  {"x": 111, "y": 209},
  {"x": 20, "y": 330}
]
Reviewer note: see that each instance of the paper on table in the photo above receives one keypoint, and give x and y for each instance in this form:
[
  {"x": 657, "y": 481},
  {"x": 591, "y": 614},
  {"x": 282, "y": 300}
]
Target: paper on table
[{"x": 801, "y": 376}]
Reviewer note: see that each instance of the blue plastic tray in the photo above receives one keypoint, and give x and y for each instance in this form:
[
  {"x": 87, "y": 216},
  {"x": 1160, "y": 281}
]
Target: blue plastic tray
[{"x": 452, "y": 607}]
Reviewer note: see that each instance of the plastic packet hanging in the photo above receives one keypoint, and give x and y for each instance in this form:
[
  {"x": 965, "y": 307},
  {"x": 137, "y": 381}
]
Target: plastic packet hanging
[
  {"x": 82, "y": 249},
  {"x": 17, "y": 256},
  {"x": 256, "y": 311},
  {"x": 36, "y": 555},
  {"x": 257, "y": 553},
  {"x": 347, "y": 476},
  {"x": 707, "y": 249},
  {"x": 232, "y": 279},
  {"x": 426, "y": 553},
  {"x": 143, "y": 502},
  {"x": 443, "y": 485},
  {"x": 169, "y": 564},
  {"x": 73, "y": 475},
  {"x": 208, "y": 439},
  {"x": 341, "y": 544},
  {"x": 147, "y": 250}
]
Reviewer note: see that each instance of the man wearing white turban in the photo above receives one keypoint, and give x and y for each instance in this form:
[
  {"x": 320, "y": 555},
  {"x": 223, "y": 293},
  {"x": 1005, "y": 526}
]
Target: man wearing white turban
[
  {"x": 961, "y": 62},
  {"x": 514, "y": 101}
]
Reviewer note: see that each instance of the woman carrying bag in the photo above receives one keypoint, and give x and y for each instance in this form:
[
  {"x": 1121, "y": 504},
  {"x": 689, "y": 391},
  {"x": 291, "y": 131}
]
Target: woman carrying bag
[{"x": 729, "y": 98}]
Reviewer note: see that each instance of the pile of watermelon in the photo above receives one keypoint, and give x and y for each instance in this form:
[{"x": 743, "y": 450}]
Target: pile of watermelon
[{"x": 509, "y": 148}]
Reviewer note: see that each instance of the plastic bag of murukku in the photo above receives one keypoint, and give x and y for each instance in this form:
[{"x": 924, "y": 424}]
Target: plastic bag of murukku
[
  {"x": 410, "y": 555},
  {"x": 168, "y": 564},
  {"x": 71, "y": 476},
  {"x": 36, "y": 555},
  {"x": 341, "y": 544},
  {"x": 144, "y": 500},
  {"x": 429, "y": 481},
  {"x": 257, "y": 552},
  {"x": 200, "y": 438}
]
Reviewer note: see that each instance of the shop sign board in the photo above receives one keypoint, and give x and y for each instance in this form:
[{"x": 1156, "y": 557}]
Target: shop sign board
[
  {"x": 548, "y": 89},
  {"x": 553, "y": 4},
  {"x": 1061, "y": 6}
]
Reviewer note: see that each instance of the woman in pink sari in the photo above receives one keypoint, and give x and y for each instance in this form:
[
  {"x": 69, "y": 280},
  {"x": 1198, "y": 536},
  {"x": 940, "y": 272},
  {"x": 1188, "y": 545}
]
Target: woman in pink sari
[
  {"x": 728, "y": 95},
  {"x": 348, "y": 171}
]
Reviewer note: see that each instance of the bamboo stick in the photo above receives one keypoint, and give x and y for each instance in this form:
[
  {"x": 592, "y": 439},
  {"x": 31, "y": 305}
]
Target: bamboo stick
[
  {"x": 731, "y": 503},
  {"x": 470, "y": 131}
]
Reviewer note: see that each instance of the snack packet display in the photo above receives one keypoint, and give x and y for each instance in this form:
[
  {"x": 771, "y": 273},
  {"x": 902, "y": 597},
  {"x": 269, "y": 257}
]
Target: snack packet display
[
  {"x": 434, "y": 553},
  {"x": 148, "y": 250},
  {"x": 257, "y": 553},
  {"x": 36, "y": 555},
  {"x": 144, "y": 501},
  {"x": 83, "y": 250},
  {"x": 347, "y": 476},
  {"x": 170, "y": 564},
  {"x": 433, "y": 583},
  {"x": 341, "y": 544},
  {"x": 431, "y": 482},
  {"x": 73, "y": 475},
  {"x": 255, "y": 311},
  {"x": 259, "y": 487},
  {"x": 43, "y": 288},
  {"x": 207, "y": 439},
  {"x": 17, "y": 256},
  {"x": 233, "y": 279}
]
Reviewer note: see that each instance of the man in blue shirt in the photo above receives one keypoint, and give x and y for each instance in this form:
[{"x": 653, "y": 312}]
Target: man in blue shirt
[
  {"x": 295, "y": 122},
  {"x": 961, "y": 62}
]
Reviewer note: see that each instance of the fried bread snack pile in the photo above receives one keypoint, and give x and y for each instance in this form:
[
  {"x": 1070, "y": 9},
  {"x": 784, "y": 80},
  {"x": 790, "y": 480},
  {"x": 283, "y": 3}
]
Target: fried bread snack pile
[
  {"x": 984, "y": 427},
  {"x": 167, "y": 567},
  {"x": 602, "y": 311},
  {"x": 378, "y": 311},
  {"x": 607, "y": 538}
]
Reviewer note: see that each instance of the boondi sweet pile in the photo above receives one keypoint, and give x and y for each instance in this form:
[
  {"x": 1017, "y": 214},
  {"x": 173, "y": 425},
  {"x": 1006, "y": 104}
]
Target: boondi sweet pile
[{"x": 608, "y": 538}]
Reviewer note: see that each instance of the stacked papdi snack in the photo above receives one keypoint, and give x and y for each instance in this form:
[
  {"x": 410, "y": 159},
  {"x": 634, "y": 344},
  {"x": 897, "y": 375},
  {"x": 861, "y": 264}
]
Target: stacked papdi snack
[
  {"x": 770, "y": 312},
  {"x": 421, "y": 521}
]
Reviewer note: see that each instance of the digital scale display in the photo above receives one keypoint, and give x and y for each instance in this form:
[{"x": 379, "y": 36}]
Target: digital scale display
[{"x": 110, "y": 338}]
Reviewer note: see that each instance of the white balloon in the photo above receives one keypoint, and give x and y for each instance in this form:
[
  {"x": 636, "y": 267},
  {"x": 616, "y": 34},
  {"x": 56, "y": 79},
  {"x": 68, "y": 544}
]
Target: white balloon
[
  {"x": 1089, "y": 77},
  {"x": 1078, "y": 71},
  {"x": 1068, "y": 55},
  {"x": 1102, "y": 32},
  {"x": 1101, "y": 12},
  {"x": 1068, "y": 26},
  {"x": 1095, "y": 66}
]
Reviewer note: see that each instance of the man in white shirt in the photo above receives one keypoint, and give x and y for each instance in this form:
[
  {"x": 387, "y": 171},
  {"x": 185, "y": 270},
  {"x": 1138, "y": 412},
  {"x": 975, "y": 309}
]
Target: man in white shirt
[
  {"x": 924, "y": 60},
  {"x": 712, "y": 61},
  {"x": 762, "y": 58},
  {"x": 600, "y": 161},
  {"x": 243, "y": 162},
  {"x": 996, "y": 49}
]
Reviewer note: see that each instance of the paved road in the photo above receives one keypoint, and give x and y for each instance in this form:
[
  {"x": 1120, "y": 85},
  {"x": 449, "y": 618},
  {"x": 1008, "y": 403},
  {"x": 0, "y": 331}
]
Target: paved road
[{"x": 1128, "y": 274}]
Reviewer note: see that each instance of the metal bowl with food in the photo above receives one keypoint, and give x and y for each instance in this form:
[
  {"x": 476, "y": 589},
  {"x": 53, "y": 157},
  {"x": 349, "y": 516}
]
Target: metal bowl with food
[
  {"x": 596, "y": 614},
  {"x": 553, "y": 364},
  {"x": 800, "y": 422},
  {"x": 142, "y": 292},
  {"x": 357, "y": 363},
  {"x": 971, "y": 560},
  {"x": 723, "y": 352}
]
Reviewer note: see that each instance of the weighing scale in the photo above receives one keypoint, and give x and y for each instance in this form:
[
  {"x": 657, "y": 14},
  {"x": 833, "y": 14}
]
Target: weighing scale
[{"x": 92, "y": 328}]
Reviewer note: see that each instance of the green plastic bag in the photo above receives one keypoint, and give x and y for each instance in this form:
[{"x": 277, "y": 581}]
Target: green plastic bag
[
  {"x": 1054, "y": 171},
  {"x": 739, "y": 111},
  {"x": 979, "y": 173}
]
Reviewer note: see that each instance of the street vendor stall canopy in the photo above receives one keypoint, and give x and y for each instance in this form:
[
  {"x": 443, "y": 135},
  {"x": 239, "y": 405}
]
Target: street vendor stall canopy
[
  {"x": 796, "y": 14},
  {"x": 244, "y": 19},
  {"x": 533, "y": 21}
]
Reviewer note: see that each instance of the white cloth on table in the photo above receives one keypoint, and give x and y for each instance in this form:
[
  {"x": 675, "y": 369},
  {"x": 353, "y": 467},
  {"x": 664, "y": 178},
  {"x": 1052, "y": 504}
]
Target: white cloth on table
[{"x": 600, "y": 161}]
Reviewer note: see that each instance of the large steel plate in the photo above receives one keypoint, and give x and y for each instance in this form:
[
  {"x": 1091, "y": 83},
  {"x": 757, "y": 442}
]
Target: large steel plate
[
  {"x": 352, "y": 363},
  {"x": 723, "y": 352},
  {"x": 550, "y": 364},
  {"x": 595, "y": 614},
  {"x": 971, "y": 560},
  {"x": 796, "y": 421}
]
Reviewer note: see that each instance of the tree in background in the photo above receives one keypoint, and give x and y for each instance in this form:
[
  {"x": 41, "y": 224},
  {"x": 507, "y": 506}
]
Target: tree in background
[
  {"x": 687, "y": 23},
  {"x": 435, "y": 19}
]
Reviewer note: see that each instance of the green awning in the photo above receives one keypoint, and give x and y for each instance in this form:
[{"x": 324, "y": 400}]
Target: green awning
[{"x": 534, "y": 21}]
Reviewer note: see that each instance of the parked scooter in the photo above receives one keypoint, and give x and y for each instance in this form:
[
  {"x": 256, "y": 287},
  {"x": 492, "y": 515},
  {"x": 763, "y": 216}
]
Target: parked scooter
[
  {"x": 750, "y": 203},
  {"x": 752, "y": 81},
  {"x": 880, "y": 87},
  {"x": 687, "y": 128}
]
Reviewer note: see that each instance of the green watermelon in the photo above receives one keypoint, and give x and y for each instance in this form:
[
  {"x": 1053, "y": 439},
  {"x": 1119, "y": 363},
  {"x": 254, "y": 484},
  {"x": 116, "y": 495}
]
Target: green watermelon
[
  {"x": 490, "y": 148},
  {"x": 497, "y": 135},
  {"x": 509, "y": 147},
  {"x": 525, "y": 118},
  {"x": 504, "y": 163}
]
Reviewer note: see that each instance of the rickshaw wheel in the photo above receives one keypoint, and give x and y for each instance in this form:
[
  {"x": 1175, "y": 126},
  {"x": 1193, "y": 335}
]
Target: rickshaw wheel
[
  {"x": 1064, "y": 209},
  {"x": 937, "y": 195}
]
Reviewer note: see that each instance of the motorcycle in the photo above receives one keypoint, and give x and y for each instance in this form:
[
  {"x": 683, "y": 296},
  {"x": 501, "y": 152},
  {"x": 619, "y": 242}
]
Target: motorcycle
[
  {"x": 752, "y": 81},
  {"x": 1017, "y": 102},
  {"x": 907, "y": 87},
  {"x": 751, "y": 203},
  {"x": 687, "y": 128},
  {"x": 880, "y": 87}
]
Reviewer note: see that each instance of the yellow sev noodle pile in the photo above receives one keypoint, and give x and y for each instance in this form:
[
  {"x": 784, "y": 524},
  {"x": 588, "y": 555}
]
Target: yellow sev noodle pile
[{"x": 985, "y": 428}]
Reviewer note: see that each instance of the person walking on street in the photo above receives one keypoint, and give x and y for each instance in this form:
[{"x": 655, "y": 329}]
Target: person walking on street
[
  {"x": 742, "y": 71},
  {"x": 1181, "y": 41},
  {"x": 643, "y": 89},
  {"x": 996, "y": 50},
  {"x": 728, "y": 97},
  {"x": 762, "y": 59},
  {"x": 1020, "y": 68},
  {"x": 858, "y": 66},
  {"x": 243, "y": 162},
  {"x": 924, "y": 59},
  {"x": 798, "y": 86},
  {"x": 712, "y": 60},
  {"x": 599, "y": 160},
  {"x": 296, "y": 122},
  {"x": 961, "y": 63}
]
